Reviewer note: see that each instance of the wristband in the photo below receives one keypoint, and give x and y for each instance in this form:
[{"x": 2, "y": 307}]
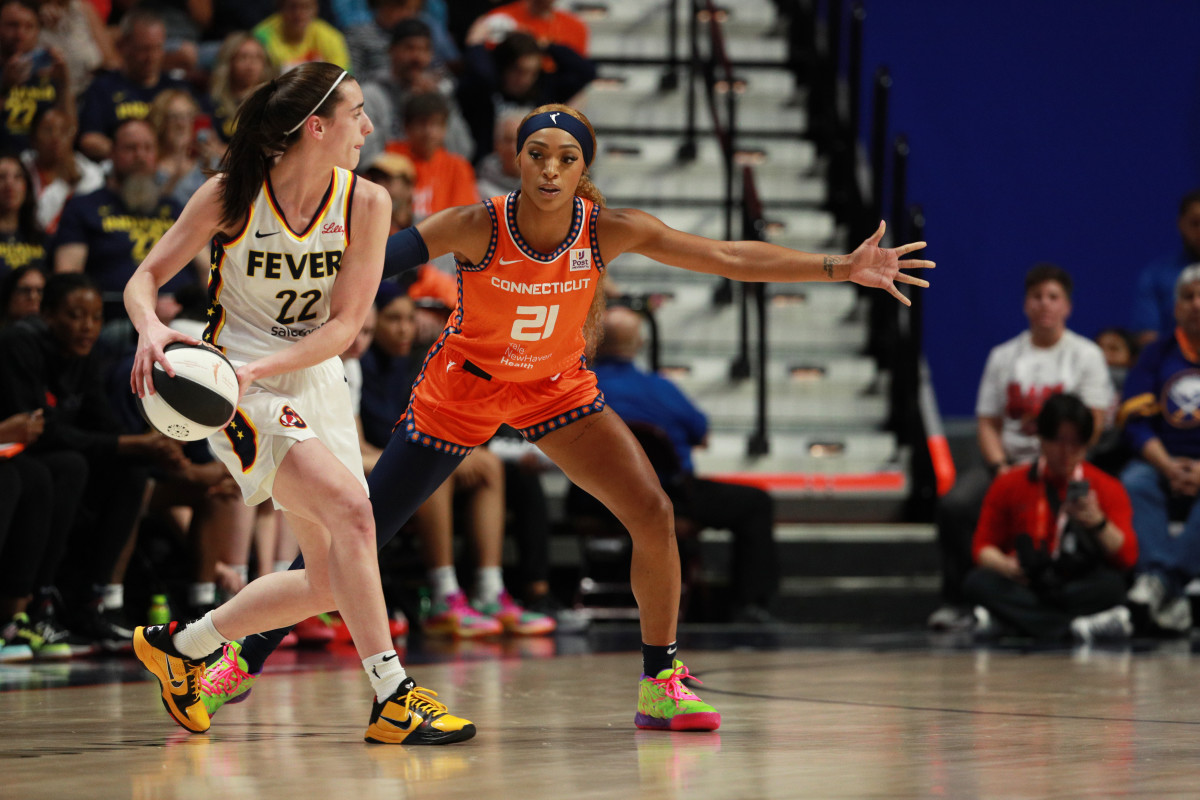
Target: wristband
[{"x": 1099, "y": 526}]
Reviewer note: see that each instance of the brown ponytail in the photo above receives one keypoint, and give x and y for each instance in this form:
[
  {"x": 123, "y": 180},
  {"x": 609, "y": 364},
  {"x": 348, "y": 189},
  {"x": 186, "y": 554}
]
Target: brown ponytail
[{"x": 261, "y": 133}]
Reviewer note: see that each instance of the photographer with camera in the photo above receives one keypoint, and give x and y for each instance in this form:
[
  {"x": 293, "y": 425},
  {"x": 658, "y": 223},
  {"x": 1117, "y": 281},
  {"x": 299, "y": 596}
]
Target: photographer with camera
[{"x": 1055, "y": 540}]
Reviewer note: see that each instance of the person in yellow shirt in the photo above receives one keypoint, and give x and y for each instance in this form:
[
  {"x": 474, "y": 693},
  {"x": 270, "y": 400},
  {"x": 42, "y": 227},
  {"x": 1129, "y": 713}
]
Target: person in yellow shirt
[{"x": 294, "y": 36}]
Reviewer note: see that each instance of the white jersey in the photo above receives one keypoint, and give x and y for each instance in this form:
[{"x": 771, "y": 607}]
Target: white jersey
[{"x": 269, "y": 285}]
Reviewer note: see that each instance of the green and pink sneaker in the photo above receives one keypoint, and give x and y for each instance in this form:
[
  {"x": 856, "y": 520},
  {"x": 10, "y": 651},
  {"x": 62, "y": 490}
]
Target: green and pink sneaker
[
  {"x": 665, "y": 704},
  {"x": 455, "y": 617},
  {"x": 514, "y": 618},
  {"x": 226, "y": 680}
]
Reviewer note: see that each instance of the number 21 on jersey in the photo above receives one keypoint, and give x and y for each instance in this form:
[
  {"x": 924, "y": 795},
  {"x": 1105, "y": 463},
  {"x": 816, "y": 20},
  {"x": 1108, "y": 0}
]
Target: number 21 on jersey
[{"x": 534, "y": 323}]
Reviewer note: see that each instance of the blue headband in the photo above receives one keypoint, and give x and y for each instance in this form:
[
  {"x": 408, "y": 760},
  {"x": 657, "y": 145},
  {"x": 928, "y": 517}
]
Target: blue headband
[{"x": 564, "y": 122}]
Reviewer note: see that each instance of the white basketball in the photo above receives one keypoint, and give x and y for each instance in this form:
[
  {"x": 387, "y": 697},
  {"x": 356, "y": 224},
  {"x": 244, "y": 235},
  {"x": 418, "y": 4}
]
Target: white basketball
[{"x": 199, "y": 401}]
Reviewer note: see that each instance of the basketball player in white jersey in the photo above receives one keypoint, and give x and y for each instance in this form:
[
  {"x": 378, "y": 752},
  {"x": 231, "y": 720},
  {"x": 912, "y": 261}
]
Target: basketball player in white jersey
[{"x": 298, "y": 247}]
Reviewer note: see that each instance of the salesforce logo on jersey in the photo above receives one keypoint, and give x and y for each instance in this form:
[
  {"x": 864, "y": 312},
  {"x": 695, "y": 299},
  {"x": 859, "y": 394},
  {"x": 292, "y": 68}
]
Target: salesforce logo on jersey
[{"x": 581, "y": 260}]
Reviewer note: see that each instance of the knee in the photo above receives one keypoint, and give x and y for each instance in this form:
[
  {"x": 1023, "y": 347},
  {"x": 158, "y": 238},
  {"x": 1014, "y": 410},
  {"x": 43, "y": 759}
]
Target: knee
[
  {"x": 654, "y": 512},
  {"x": 355, "y": 523}
]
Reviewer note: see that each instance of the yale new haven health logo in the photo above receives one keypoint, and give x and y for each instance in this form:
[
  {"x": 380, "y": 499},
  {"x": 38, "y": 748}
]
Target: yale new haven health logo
[{"x": 581, "y": 260}]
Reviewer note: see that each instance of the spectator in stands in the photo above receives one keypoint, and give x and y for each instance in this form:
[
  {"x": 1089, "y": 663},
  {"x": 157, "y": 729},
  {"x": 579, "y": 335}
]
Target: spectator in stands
[
  {"x": 1120, "y": 348},
  {"x": 1055, "y": 541},
  {"x": 1020, "y": 375},
  {"x": 388, "y": 368},
  {"x": 57, "y": 171},
  {"x": 184, "y": 153},
  {"x": 398, "y": 176},
  {"x": 21, "y": 240},
  {"x": 33, "y": 79},
  {"x": 47, "y": 363},
  {"x": 1154, "y": 299},
  {"x": 748, "y": 512},
  {"x": 117, "y": 96},
  {"x": 242, "y": 64},
  {"x": 107, "y": 233},
  {"x": 21, "y": 294},
  {"x": 444, "y": 179},
  {"x": 294, "y": 36},
  {"x": 370, "y": 41},
  {"x": 498, "y": 172},
  {"x": 74, "y": 28},
  {"x": 1161, "y": 412},
  {"x": 386, "y": 94},
  {"x": 538, "y": 18},
  {"x": 511, "y": 77}
]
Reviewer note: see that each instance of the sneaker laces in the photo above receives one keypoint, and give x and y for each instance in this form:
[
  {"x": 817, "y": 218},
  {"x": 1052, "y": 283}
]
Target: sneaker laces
[
  {"x": 672, "y": 684},
  {"x": 226, "y": 674},
  {"x": 422, "y": 700}
]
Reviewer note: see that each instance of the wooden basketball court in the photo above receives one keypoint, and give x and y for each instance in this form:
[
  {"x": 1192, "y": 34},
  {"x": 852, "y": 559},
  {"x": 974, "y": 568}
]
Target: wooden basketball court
[{"x": 804, "y": 716}]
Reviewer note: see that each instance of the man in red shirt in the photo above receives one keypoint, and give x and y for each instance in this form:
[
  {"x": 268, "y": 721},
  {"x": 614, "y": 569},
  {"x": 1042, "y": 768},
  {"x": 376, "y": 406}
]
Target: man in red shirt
[{"x": 1055, "y": 541}]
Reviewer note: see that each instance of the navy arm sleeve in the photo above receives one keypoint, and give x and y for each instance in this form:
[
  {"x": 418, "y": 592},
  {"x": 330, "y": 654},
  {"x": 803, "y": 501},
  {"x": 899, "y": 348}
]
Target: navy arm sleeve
[{"x": 405, "y": 250}]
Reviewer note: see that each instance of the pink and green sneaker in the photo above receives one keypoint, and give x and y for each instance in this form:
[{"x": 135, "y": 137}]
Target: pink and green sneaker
[
  {"x": 665, "y": 704},
  {"x": 454, "y": 616},
  {"x": 514, "y": 618},
  {"x": 226, "y": 680}
]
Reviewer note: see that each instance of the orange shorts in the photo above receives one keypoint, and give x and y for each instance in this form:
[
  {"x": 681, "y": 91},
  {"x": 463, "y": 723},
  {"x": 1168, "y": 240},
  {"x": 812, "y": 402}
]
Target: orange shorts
[{"x": 456, "y": 406}]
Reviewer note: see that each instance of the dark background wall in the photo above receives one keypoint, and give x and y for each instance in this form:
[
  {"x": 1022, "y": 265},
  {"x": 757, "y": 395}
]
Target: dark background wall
[{"x": 1061, "y": 132}]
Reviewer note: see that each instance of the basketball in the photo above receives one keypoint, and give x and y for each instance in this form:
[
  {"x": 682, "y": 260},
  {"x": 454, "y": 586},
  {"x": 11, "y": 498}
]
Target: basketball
[{"x": 199, "y": 400}]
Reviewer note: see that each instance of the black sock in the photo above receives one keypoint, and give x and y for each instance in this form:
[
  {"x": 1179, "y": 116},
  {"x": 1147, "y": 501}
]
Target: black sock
[{"x": 656, "y": 658}]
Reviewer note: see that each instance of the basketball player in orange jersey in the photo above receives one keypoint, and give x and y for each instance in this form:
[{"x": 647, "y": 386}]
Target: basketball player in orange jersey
[
  {"x": 529, "y": 265},
  {"x": 298, "y": 244}
]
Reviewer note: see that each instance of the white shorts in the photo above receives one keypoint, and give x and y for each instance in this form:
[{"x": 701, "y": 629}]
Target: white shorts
[{"x": 277, "y": 412}]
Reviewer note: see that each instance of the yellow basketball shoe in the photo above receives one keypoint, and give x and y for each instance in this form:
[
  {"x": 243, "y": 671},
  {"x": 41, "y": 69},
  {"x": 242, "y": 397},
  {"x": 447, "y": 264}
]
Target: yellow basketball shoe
[
  {"x": 178, "y": 675},
  {"x": 412, "y": 716}
]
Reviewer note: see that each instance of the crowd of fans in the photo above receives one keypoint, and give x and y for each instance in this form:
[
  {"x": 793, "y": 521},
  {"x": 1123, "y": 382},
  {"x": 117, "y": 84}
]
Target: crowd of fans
[
  {"x": 114, "y": 114},
  {"x": 1081, "y": 519}
]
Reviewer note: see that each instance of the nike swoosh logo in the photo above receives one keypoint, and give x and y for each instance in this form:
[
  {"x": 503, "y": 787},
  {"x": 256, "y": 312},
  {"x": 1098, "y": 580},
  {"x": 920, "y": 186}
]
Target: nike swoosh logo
[
  {"x": 176, "y": 683},
  {"x": 448, "y": 366},
  {"x": 556, "y": 377},
  {"x": 261, "y": 235},
  {"x": 670, "y": 651},
  {"x": 504, "y": 263},
  {"x": 405, "y": 726},
  {"x": 393, "y": 655}
]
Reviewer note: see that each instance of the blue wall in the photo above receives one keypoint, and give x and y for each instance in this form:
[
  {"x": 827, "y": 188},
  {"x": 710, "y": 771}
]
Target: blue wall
[{"x": 1038, "y": 133}]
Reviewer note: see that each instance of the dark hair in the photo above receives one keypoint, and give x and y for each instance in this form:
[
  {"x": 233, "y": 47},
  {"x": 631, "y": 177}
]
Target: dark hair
[
  {"x": 29, "y": 5},
  {"x": 1127, "y": 336},
  {"x": 261, "y": 131},
  {"x": 1190, "y": 199},
  {"x": 426, "y": 105},
  {"x": 140, "y": 15},
  {"x": 1040, "y": 273},
  {"x": 59, "y": 287},
  {"x": 27, "y": 224},
  {"x": 410, "y": 28},
  {"x": 8, "y": 286},
  {"x": 1063, "y": 408},
  {"x": 515, "y": 46}
]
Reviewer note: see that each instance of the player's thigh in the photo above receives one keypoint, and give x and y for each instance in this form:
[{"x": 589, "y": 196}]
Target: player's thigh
[
  {"x": 600, "y": 455},
  {"x": 312, "y": 483}
]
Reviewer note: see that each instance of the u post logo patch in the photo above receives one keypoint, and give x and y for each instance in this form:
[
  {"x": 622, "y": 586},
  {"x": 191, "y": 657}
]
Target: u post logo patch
[
  {"x": 581, "y": 259},
  {"x": 290, "y": 419}
]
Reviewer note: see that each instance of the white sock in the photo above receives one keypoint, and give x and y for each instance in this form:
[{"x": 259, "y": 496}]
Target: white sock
[
  {"x": 202, "y": 595},
  {"x": 442, "y": 583},
  {"x": 241, "y": 570},
  {"x": 385, "y": 672},
  {"x": 281, "y": 566},
  {"x": 114, "y": 596},
  {"x": 198, "y": 639},
  {"x": 489, "y": 583}
]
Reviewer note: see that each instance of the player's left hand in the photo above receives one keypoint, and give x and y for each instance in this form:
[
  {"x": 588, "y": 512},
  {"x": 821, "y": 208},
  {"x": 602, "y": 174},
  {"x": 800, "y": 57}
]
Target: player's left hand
[{"x": 879, "y": 267}]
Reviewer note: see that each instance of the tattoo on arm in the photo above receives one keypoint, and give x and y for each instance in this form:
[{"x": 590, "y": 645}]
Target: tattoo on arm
[{"x": 829, "y": 263}]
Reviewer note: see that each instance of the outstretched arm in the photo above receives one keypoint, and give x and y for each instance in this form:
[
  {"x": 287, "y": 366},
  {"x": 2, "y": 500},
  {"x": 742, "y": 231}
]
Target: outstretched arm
[{"x": 630, "y": 230}]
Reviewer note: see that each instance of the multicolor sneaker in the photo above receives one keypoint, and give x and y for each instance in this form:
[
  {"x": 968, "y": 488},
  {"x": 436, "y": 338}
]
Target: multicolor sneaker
[
  {"x": 13, "y": 646},
  {"x": 34, "y": 636},
  {"x": 226, "y": 680},
  {"x": 412, "y": 716},
  {"x": 515, "y": 619},
  {"x": 178, "y": 676},
  {"x": 454, "y": 616},
  {"x": 664, "y": 703}
]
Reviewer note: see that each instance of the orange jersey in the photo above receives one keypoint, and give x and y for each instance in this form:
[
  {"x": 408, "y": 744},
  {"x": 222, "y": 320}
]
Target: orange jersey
[
  {"x": 444, "y": 181},
  {"x": 561, "y": 27},
  {"x": 521, "y": 313}
]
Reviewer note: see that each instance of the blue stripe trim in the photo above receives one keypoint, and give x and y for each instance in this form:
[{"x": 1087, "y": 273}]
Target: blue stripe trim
[
  {"x": 486, "y": 261},
  {"x": 510, "y": 211},
  {"x": 409, "y": 431},
  {"x": 593, "y": 239},
  {"x": 535, "y": 432},
  {"x": 350, "y": 203}
]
